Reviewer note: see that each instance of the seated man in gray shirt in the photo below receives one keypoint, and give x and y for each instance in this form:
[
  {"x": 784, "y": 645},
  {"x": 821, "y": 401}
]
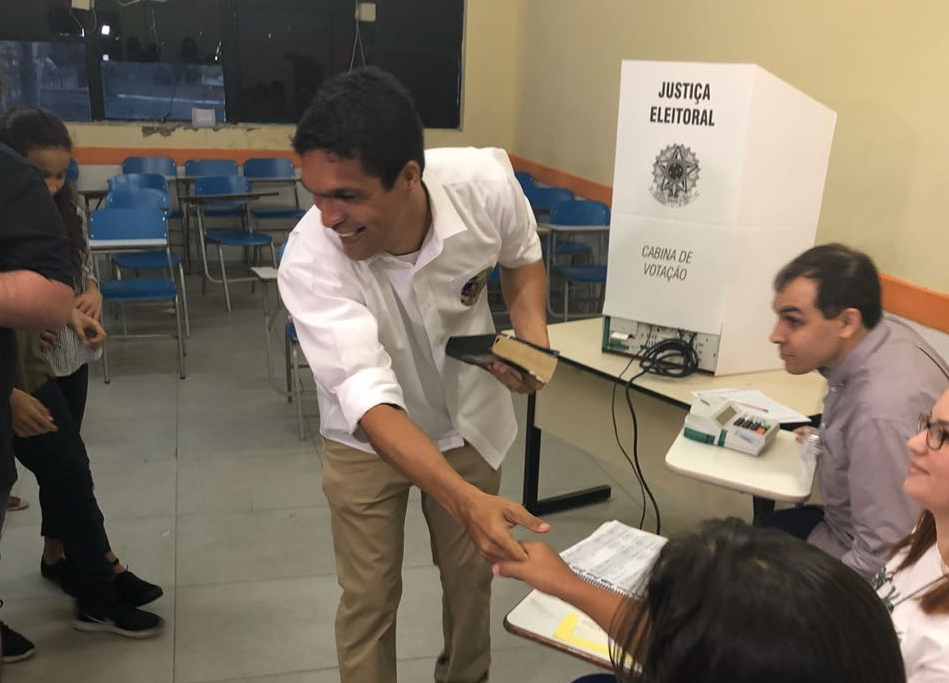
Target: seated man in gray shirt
[{"x": 881, "y": 375}]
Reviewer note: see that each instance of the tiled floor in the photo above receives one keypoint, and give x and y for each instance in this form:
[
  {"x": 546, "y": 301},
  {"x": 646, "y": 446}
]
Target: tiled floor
[{"x": 207, "y": 490}]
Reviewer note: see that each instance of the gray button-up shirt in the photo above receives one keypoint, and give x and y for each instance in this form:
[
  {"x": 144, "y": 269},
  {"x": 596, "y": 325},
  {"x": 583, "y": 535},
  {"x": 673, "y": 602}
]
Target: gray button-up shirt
[{"x": 874, "y": 399}]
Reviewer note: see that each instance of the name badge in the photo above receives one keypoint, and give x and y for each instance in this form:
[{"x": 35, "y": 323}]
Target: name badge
[{"x": 472, "y": 288}]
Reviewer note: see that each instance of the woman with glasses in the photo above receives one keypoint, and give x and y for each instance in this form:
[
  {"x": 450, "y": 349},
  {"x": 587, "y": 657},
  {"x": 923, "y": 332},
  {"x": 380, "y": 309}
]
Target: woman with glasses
[{"x": 914, "y": 585}]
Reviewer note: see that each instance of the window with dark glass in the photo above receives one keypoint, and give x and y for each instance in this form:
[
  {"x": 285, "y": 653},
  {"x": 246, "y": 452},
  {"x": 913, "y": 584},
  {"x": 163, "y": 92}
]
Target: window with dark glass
[{"x": 251, "y": 61}]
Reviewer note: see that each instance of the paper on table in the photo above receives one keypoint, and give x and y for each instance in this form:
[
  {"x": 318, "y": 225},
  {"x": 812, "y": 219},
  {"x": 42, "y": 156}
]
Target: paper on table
[
  {"x": 756, "y": 403},
  {"x": 615, "y": 557}
]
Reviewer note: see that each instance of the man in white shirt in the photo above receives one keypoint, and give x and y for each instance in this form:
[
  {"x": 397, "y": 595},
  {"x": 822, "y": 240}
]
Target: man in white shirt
[{"x": 377, "y": 276}]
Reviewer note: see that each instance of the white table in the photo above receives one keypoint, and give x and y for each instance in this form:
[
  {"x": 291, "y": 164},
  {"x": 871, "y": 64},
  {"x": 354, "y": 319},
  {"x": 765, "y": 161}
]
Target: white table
[
  {"x": 575, "y": 407},
  {"x": 778, "y": 473}
]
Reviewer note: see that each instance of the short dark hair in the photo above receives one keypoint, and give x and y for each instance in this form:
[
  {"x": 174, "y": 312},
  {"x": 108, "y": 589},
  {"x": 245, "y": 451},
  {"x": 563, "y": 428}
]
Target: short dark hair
[
  {"x": 845, "y": 278},
  {"x": 733, "y": 603},
  {"x": 365, "y": 114}
]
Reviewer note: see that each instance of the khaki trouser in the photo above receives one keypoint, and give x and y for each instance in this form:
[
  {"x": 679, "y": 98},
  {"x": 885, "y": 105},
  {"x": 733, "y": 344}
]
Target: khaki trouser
[{"x": 368, "y": 499}]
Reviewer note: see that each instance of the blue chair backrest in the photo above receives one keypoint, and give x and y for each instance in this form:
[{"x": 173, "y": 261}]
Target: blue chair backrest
[
  {"x": 137, "y": 181},
  {"x": 525, "y": 179},
  {"x": 580, "y": 212},
  {"x": 126, "y": 224},
  {"x": 221, "y": 184},
  {"x": 137, "y": 197},
  {"x": 161, "y": 165},
  {"x": 72, "y": 173},
  {"x": 269, "y": 167},
  {"x": 547, "y": 196},
  {"x": 204, "y": 167}
]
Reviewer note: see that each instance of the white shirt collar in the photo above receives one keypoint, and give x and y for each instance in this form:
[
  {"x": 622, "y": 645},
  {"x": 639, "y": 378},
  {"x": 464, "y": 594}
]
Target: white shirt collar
[{"x": 445, "y": 223}]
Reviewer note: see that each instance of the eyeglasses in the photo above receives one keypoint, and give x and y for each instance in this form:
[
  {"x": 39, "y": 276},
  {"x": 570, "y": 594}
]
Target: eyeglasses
[{"x": 937, "y": 433}]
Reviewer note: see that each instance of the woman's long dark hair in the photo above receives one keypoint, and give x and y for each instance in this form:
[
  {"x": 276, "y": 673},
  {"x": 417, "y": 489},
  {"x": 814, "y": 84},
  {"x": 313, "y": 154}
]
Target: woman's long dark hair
[
  {"x": 730, "y": 603},
  {"x": 25, "y": 128}
]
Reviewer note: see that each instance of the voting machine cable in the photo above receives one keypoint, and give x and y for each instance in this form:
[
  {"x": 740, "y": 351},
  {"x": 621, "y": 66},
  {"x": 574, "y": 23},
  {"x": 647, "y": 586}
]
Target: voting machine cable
[
  {"x": 673, "y": 357},
  {"x": 619, "y": 442}
]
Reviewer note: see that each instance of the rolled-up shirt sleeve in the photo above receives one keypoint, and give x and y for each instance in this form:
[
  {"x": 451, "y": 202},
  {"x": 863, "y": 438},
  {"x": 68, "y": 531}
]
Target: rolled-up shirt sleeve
[
  {"x": 882, "y": 513},
  {"x": 339, "y": 337}
]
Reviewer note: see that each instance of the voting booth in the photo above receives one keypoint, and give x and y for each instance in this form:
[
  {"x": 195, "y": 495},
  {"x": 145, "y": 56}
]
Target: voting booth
[{"x": 719, "y": 175}]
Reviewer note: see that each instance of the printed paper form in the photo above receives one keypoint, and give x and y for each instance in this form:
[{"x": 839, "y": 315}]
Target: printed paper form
[
  {"x": 615, "y": 556},
  {"x": 755, "y": 402}
]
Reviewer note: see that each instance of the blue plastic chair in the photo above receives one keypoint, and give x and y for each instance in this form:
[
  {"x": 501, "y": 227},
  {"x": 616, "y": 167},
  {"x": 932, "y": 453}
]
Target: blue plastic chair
[
  {"x": 579, "y": 212},
  {"x": 196, "y": 168},
  {"x": 274, "y": 169},
  {"x": 224, "y": 184},
  {"x": 127, "y": 196},
  {"x": 72, "y": 173},
  {"x": 153, "y": 181},
  {"x": 525, "y": 179},
  {"x": 119, "y": 225},
  {"x": 163, "y": 166},
  {"x": 240, "y": 237},
  {"x": 294, "y": 361},
  {"x": 130, "y": 197},
  {"x": 543, "y": 199}
]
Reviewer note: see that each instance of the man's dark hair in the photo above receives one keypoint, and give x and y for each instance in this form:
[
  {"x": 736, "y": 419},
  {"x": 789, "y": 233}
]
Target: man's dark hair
[
  {"x": 845, "y": 278},
  {"x": 730, "y": 602},
  {"x": 365, "y": 114}
]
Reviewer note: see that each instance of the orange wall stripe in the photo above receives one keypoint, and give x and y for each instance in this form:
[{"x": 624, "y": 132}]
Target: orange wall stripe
[
  {"x": 115, "y": 155},
  {"x": 925, "y": 306}
]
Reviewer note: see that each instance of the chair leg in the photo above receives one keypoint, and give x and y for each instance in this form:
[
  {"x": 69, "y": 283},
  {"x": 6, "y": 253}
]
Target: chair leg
[
  {"x": 181, "y": 342},
  {"x": 566, "y": 299},
  {"x": 227, "y": 293},
  {"x": 287, "y": 366},
  {"x": 297, "y": 390},
  {"x": 105, "y": 362},
  {"x": 273, "y": 255},
  {"x": 184, "y": 300}
]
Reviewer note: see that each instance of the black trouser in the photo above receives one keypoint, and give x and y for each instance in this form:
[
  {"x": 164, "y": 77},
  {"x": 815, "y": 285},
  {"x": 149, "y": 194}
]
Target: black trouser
[
  {"x": 60, "y": 464},
  {"x": 799, "y": 521},
  {"x": 74, "y": 388}
]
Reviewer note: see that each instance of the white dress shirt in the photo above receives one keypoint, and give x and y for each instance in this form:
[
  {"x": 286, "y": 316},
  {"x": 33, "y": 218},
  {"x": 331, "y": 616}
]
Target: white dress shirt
[{"x": 375, "y": 331}]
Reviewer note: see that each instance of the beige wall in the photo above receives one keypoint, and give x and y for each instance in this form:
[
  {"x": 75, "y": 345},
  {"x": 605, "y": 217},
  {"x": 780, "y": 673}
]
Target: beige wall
[
  {"x": 487, "y": 116},
  {"x": 881, "y": 65}
]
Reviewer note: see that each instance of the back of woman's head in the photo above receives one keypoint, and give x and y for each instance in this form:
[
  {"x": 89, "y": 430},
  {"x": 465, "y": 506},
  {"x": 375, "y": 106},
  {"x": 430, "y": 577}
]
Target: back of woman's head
[
  {"x": 733, "y": 604},
  {"x": 26, "y": 127}
]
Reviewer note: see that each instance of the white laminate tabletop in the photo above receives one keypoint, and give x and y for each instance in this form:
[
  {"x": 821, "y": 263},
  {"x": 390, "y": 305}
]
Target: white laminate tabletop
[
  {"x": 778, "y": 473},
  {"x": 580, "y": 343}
]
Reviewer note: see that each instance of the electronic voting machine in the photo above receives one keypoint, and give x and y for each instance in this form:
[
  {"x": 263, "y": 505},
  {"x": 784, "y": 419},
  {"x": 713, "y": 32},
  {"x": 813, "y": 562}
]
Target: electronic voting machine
[{"x": 720, "y": 422}]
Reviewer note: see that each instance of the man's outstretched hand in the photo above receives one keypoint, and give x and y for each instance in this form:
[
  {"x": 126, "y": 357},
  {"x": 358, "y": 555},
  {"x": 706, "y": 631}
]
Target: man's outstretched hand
[{"x": 489, "y": 520}]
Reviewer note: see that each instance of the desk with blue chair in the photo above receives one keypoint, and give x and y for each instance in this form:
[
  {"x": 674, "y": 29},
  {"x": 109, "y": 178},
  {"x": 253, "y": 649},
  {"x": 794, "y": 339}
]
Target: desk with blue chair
[
  {"x": 119, "y": 230},
  {"x": 226, "y": 196},
  {"x": 293, "y": 357},
  {"x": 274, "y": 171},
  {"x": 134, "y": 191},
  {"x": 575, "y": 217}
]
